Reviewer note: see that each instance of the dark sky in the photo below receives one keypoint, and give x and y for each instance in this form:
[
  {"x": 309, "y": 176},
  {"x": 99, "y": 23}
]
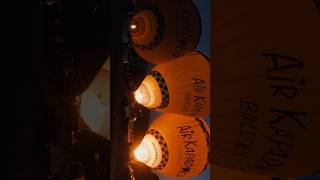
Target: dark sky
[
  {"x": 316, "y": 177},
  {"x": 204, "y": 8}
]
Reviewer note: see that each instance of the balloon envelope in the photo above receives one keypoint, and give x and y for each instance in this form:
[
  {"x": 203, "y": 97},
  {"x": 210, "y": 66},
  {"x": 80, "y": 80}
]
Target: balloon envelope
[
  {"x": 266, "y": 81},
  {"x": 176, "y": 145},
  {"x": 181, "y": 86},
  {"x": 163, "y": 31}
]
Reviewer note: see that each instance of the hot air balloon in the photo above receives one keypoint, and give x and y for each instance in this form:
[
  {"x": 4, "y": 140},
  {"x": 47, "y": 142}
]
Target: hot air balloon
[
  {"x": 175, "y": 145},
  {"x": 95, "y": 103},
  {"x": 162, "y": 31},
  {"x": 181, "y": 86},
  {"x": 266, "y": 80}
]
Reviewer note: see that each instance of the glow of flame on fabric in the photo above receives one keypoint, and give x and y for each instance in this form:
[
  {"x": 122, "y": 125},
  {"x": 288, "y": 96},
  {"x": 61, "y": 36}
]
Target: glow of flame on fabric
[
  {"x": 188, "y": 85},
  {"x": 162, "y": 31},
  {"x": 176, "y": 145},
  {"x": 148, "y": 92},
  {"x": 149, "y": 151},
  {"x": 133, "y": 26}
]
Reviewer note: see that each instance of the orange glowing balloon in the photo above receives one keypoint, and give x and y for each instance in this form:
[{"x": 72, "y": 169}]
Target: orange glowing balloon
[
  {"x": 266, "y": 86},
  {"x": 181, "y": 86},
  {"x": 176, "y": 146},
  {"x": 162, "y": 31}
]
